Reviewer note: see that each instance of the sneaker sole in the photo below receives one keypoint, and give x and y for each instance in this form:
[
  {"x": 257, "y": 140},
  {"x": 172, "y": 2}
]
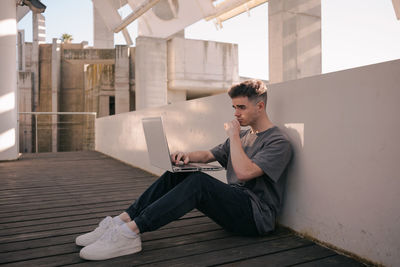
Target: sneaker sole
[
  {"x": 82, "y": 244},
  {"x": 113, "y": 255}
]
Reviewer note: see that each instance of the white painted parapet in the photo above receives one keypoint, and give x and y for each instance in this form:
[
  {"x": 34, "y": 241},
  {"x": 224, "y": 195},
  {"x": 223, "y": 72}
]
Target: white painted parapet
[
  {"x": 121, "y": 79},
  {"x": 8, "y": 81},
  {"x": 344, "y": 184},
  {"x": 189, "y": 125}
]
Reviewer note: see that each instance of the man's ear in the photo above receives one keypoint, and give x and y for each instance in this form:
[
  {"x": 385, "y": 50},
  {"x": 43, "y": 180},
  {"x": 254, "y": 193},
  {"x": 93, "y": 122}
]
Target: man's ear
[{"x": 261, "y": 105}]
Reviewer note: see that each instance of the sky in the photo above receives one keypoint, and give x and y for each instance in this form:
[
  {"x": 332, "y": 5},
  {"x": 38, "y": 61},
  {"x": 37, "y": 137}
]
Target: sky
[{"x": 354, "y": 32}]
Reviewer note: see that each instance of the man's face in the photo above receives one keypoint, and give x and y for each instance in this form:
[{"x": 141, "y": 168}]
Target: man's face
[{"x": 246, "y": 112}]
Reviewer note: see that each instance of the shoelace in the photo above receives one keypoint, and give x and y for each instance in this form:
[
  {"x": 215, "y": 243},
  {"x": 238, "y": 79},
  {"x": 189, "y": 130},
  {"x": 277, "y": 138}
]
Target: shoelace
[
  {"x": 110, "y": 235},
  {"x": 104, "y": 224}
]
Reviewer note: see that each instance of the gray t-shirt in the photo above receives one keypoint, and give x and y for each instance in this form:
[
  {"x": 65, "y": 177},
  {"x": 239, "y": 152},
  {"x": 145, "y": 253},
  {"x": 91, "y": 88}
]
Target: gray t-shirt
[{"x": 271, "y": 151}]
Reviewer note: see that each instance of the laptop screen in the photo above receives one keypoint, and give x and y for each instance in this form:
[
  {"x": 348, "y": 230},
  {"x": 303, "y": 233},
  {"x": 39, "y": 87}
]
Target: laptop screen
[{"x": 156, "y": 141}]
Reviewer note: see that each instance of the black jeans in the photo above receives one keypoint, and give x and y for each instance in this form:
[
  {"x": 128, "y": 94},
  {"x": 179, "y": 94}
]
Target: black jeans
[{"x": 175, "y": 194}]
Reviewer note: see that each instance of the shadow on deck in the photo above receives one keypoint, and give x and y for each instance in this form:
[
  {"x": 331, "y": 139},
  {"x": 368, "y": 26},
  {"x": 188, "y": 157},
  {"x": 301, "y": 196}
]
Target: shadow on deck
[{"x": 48, "y": 199}]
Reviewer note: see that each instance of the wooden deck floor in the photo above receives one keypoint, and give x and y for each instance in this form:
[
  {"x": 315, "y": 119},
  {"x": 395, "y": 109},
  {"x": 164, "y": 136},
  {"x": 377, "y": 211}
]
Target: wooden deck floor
[{"x": 48, "y": 199}]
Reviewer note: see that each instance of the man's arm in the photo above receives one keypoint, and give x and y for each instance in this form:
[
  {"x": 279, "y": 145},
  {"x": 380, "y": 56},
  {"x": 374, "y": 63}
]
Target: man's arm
[
  {"x": 244, "y": 168},
  {"x": 195, "y": 156}
]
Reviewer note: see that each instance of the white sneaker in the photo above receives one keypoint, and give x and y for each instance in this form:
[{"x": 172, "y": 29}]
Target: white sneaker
[
  {"x": 110, "y": 245},
  {"x": 93, "y": 236}
]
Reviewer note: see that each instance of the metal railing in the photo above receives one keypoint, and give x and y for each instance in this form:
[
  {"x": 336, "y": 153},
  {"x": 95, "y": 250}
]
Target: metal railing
[{"x": 36, "y": 114}]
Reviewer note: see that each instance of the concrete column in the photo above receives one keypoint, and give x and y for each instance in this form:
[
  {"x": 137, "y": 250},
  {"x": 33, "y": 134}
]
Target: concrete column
[
  {"x": 21, "y": 50},
  {"x": 150, "y": 72},
  {"x": 121, "y": 79},
  {"x": 39, "y": 37},
  {"x": 294, "y": 39},
  {"x": 104, "y": 106},
  {"x": 25, "y": 105},
  {"x": 55, "y": 89},
  {"x": 132, "y": 104},
  {"x": 24, "y": 84},
  {"x": 8, "y": 81},
  {"x": 102, "y": 36}
]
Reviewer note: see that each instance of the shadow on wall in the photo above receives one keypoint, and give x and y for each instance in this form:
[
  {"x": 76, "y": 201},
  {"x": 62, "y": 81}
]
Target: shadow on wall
[{"x": 295, "y": 133}]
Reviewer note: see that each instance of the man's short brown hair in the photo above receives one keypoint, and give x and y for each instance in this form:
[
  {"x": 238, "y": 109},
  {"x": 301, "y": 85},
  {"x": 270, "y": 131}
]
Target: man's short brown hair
[{"x": 255, "y": 90}]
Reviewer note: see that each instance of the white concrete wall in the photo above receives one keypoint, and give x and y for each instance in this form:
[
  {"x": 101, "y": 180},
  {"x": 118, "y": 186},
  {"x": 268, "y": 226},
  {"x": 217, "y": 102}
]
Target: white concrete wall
[
  {"x": 344, "y": 185},
  {"x": 189, "y": 125}
]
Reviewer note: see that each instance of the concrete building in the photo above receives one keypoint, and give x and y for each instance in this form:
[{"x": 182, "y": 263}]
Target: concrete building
[
  {"x": 163, "y": 68},
  {"x": 77, "y": 78}
]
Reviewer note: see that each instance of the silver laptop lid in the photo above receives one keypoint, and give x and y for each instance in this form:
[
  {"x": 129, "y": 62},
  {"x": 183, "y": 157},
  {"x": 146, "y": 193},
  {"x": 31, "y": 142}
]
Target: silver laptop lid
[
  {"x": 158, "y": 149},
  {"x": 156, "y": 141}
]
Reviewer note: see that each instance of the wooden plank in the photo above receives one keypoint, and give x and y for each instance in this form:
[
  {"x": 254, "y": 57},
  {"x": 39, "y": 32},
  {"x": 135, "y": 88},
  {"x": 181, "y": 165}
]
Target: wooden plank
[
  {"x": 236, "y": 251},
  {"x": 121, "y": 193},
  {"x": 61, "y": 224},
  {"x": 61, "y": 257},
  {"x": 60, "y": 190},
  {"x": 283, "y": 258},
  {"x": 195, "y": 252},
  {"x": 179, "y": 239},
  {"x": 78, "y": 228},
  {"x": 29, "y": 254},
  {"x": 42, "y": 181},
  {"x": 81, "y": 214},
  {"x": 33, "y": 175},
  {"x": 83, "y": 228},
  {"x": 185, "y": 236},
  {"x": 70, "y": 202},
  {"x": 48, "y": 199},
  {"x": 69, "y": 237},
  {"x": 31, "y": 215},
  {"x": 60, "y": 220},
  {"x": 333, "y": 261}
]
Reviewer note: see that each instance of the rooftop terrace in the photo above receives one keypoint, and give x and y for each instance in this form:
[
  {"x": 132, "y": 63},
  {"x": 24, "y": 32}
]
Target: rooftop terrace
[{"x": 48, "y": 199}]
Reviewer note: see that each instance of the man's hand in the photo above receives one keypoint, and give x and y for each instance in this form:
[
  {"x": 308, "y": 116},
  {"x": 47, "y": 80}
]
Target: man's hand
[
  {"x": 232, "y": 127},
  {"x": 180, "y": 158}
]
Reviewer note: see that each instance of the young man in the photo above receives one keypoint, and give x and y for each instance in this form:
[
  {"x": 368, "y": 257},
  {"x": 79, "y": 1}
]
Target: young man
[{"x": 255, "y": 159}]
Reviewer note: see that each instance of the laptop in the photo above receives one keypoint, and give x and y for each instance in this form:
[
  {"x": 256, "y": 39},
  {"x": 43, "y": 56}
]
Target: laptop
[{"x": 158, "y": 149}]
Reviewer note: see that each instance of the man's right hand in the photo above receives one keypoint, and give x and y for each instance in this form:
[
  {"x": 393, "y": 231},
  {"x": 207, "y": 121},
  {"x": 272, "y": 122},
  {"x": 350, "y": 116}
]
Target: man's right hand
[{"x": 180, "y": 158}]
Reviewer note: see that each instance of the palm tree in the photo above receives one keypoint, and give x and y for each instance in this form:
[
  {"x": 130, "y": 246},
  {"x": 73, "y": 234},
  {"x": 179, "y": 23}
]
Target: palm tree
[{"x": 66, "y": 38}]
